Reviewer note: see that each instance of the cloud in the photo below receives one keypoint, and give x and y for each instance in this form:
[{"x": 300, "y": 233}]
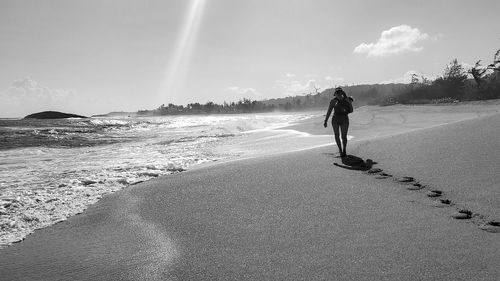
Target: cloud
[
  {"x": 396, "y": 40},
  {"x": 232, "y": 89},
  {"x": 245, "y": 92},
  {"x": 334, "y": 79},
  {"x": 466, "y": 66},
  {"x": 436, "y": 37},
  {"x": 25, "y": 96},
  {"x": 289, "y": 75},
  {"x": 406, "y": 78},
  {"x": 27, "y": 90},
  {"x": 295, "y": 87}
]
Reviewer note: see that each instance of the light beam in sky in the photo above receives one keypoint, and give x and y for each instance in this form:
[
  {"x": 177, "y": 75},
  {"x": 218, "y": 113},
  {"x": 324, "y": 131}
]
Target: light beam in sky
[{"x": 179, "y": 62}]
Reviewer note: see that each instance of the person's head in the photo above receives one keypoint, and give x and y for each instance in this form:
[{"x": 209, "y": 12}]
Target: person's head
[{"x": 339, "y": 93}]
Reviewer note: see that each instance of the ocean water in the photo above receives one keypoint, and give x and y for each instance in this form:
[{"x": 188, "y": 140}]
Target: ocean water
[{"x": 53, "y": 169}]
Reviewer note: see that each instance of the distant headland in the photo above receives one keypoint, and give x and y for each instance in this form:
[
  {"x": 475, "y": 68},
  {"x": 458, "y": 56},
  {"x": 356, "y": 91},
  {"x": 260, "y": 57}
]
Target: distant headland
[{"x": 52, "y": 115}]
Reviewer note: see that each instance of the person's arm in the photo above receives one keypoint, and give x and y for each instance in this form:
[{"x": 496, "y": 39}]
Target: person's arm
[
  {"x": 350, "y": 100},
  {"x": 330, "y": 108}
]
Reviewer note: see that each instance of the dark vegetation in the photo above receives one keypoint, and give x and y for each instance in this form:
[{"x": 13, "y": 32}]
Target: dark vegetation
[
  {"x": 455, "y": 85},
  {"x": 52, "y": 115}
]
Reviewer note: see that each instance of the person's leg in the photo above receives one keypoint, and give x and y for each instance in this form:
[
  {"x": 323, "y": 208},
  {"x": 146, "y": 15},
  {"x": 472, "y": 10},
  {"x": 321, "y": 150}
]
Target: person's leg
[
  {"x": 344, "y": 127},
  {"x": 335, "y": 126}
]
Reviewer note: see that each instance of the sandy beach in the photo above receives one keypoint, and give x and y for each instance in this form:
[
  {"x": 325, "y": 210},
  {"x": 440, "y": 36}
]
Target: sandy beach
[{"x": 295, "y": 215}]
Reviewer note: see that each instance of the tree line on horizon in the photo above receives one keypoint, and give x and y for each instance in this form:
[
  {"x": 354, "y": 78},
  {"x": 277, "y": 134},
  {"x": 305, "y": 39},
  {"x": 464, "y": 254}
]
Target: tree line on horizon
[{"x": 453, "y": 86}]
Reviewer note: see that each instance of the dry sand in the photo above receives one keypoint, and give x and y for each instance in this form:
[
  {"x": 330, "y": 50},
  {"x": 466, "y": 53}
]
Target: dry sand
[{"x": 296, "y": 216}]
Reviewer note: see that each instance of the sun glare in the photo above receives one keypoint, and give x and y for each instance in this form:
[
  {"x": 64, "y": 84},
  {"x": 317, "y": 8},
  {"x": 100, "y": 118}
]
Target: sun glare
[{"x": 179, "y": 61}]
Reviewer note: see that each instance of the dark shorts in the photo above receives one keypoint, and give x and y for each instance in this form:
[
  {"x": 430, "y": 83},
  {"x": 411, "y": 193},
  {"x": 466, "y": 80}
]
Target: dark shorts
[{"x": 340, "y": 120}]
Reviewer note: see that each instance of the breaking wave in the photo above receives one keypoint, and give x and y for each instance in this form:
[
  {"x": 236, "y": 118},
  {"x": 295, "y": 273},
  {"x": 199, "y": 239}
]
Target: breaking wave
[{"x": 53, "y": 169}]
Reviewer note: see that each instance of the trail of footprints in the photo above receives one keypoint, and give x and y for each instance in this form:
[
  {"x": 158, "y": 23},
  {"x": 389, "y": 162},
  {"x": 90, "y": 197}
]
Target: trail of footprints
[{"x": 440, "y": 200}]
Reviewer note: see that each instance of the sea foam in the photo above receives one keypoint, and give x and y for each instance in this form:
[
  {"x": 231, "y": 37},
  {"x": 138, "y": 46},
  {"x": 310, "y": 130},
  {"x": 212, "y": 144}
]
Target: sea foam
[{"x": 53, "y": 169}]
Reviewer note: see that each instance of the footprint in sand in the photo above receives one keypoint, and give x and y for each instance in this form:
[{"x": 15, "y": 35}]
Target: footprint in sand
[
  {"x": 406, "y": 179},
  {"x": 462, "y": 215},
  {"x": 416, "y": 186},
  {"x": 378, "y": 173},
  {"x": 442, "y": 203},
  {"x": 434, "y": 193},
  {"x": 385, "y": 175},
  {"x": 413, "y": 184},
  {"x": 445, "y": 201},
  {"x": 491, "y": 226}
]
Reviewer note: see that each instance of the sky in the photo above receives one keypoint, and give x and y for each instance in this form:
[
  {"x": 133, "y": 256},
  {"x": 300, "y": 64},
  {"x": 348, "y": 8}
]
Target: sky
[{"x": 92, "y": 57}]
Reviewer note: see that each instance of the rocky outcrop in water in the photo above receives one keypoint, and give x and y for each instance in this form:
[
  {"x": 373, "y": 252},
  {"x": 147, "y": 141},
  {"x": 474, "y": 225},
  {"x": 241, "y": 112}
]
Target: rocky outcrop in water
[{"x": 52, "y": 115}]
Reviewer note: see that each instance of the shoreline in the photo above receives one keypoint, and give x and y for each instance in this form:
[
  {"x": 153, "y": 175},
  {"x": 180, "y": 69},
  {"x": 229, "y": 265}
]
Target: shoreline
[
  {"x": 310, "y": 134},
  {"x": 39, "y": 205}
]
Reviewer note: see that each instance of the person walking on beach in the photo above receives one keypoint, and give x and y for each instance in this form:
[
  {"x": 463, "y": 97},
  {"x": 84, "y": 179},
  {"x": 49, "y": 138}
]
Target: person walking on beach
[{"x": 342, "y": 106}]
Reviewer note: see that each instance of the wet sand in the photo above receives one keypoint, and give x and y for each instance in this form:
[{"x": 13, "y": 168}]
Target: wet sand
[{"x": 296, "y": 216}]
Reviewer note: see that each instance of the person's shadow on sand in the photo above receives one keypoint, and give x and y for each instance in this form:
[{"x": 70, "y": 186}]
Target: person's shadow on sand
[{"x": 352, "y": 162}]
